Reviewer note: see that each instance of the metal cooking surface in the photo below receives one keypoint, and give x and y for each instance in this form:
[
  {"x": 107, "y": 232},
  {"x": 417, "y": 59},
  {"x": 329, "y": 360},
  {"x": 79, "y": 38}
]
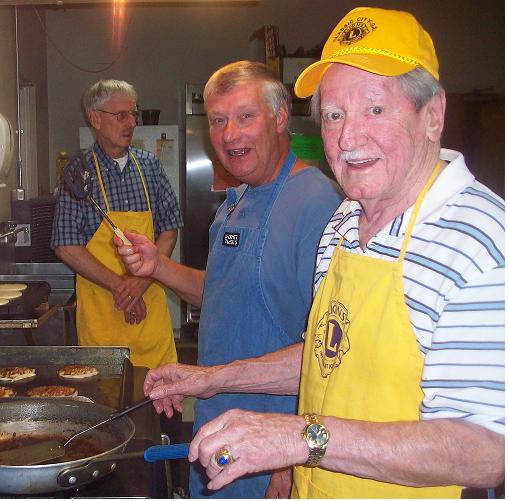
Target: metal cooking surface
[
  {"x": 32, "y": 297},
  {"x": 112, "y": 387},
  {"x": 119, "y": 384}
]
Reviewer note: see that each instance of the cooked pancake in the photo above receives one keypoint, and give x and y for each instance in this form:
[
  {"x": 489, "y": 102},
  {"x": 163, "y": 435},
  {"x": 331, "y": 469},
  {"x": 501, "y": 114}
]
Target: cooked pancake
[
  {"x": 3, "y": 301},
  {"x": 7, "y": 392},
  {"x": 11, "y": 374},
  {"x": 13, "y": 286},
  {"x": 77, "y": 372},
  {"x": 6, "y": 294},
  {"x": 52, "y": 391}
]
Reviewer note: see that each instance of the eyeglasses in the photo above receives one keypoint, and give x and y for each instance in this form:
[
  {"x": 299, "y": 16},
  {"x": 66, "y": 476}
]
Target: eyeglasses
[{"x": 123, "y": 116}]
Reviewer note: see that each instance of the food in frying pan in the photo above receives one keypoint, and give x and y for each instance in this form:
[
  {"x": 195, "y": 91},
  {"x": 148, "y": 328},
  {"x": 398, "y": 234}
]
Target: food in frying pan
[
  {"x": 82, "y": 447},
  {"x": 78, "y": 371},
  {"x": 13, "y": 287},
  {"x": 11, "y": 374},
  {"x": 7, "y": 294},
  {"x": 6, "y": 392},
  {"x": 55, "y": 391}
]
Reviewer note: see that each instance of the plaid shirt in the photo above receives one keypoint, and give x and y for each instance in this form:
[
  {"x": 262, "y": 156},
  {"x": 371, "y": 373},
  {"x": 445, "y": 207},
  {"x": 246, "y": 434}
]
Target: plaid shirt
[{"x": 76, "y": 221}]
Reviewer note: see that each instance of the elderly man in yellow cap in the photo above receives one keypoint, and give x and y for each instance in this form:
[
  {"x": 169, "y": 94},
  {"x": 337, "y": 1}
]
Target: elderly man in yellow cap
[{"x": 401, "y": 374}]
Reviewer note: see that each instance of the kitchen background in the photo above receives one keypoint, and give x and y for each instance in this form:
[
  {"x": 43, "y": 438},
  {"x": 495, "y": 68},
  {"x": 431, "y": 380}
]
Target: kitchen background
[{"x": 160, "y": 46}]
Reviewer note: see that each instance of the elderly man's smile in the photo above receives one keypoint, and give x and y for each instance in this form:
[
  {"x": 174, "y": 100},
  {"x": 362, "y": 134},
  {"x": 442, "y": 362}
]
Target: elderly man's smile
[
  {"x": 239, "y": 152},
  {"x": 367, "y": 162}
]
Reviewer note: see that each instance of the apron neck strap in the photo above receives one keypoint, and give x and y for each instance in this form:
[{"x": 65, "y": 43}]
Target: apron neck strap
[
  {"x": 417, "y": 207},
  {"x": 99, "y": 176},
  {"x": 135, "y": 160},
  {"x": 101, "y": 183}
]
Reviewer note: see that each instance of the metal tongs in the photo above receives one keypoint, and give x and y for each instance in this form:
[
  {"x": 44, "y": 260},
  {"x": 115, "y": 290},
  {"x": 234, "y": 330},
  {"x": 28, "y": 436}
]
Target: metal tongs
[{"x": 78, "y": 183}]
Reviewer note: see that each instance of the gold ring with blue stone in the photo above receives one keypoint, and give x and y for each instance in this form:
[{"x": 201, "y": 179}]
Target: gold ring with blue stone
[{"x": 223, "y": 457}]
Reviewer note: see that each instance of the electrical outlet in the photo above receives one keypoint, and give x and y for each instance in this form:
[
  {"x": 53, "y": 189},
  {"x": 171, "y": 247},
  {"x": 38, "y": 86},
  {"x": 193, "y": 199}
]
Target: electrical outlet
[{"x": 23, "y": 238}]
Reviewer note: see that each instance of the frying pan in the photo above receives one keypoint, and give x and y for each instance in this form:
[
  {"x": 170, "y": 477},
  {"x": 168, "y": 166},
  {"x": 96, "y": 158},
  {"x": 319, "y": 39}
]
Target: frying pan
[
  {"x": 51, "y": 449},
  {"x": 43, "y": 417}
]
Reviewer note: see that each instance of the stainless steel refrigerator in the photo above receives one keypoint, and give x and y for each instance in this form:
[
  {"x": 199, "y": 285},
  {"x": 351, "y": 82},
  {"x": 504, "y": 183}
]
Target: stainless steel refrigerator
[{"x": 201, "y": 192}]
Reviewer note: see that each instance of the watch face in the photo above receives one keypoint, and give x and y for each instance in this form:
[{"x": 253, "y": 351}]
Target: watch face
[{"x": 317, "y": 434}]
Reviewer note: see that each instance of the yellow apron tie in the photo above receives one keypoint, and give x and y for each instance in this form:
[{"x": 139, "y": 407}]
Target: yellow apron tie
[
  {"x": 361, "y": 361},
  {"x": 99, "y": 323}
]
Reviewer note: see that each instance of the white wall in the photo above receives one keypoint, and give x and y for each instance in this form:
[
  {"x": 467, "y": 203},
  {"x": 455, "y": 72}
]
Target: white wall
[{"x": 167, "y": 46}]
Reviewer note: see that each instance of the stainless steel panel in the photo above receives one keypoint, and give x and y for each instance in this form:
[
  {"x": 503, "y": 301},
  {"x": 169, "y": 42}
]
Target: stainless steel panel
[{"x": 201, "y": 203}]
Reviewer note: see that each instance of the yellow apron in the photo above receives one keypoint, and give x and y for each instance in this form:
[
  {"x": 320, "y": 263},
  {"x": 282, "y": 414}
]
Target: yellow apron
[
  {"x": 361, "y": 361},
  {"x": 98, "y": 322}
]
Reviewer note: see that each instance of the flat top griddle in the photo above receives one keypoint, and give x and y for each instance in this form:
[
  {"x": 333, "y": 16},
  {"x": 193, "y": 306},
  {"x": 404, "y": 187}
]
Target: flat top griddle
[{"x": 112, "y": 387}]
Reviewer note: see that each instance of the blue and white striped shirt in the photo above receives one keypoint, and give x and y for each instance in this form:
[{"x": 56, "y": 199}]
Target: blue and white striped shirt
[
  {"x": 454, "y": 290},
  {"x": 76, "y": 221}
]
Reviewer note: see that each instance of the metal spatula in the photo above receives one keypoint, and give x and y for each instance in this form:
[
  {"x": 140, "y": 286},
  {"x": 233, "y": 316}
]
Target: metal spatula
[{"x": 52, "y": 449}]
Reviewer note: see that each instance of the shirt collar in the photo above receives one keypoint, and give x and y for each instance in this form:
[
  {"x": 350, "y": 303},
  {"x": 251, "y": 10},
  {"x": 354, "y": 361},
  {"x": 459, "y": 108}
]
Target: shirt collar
[
  {"x": 452, "y": 180},
  {"x": 105, "y": 160}
]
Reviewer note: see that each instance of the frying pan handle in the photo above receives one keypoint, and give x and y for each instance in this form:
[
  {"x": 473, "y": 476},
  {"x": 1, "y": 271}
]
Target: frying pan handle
[
  {"x": 162, "y": 452},
  {"x": 100, "y": 466}
]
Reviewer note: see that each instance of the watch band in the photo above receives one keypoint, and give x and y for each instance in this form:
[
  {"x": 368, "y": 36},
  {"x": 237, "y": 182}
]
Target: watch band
[{"x": 315, "y": 453}]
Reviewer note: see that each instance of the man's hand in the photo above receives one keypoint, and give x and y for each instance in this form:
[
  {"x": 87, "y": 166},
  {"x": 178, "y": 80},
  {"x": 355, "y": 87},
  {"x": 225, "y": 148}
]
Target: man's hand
[
  {"x": 130, "y": 291},
  {"x": 169, "y": 384},
  {"x": 141, "y": 258},
  {"x": 136, "y": 314},
  {"x": 280, "y": 484},
  {"x": 257, "y": 441}
]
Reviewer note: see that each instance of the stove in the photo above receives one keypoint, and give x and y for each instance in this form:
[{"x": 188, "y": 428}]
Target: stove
[{"x": 120, "y": 384}]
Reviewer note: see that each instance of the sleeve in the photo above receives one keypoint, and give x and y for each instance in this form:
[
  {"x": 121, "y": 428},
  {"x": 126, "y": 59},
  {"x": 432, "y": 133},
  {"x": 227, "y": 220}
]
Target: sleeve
[
  {"x": 167, "y": 215},
  {"x": 69, "y": 221},
  {"x": 464, "y": 370}
]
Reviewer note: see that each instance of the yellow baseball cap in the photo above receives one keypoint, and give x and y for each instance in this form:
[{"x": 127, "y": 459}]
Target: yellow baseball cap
[{"x": 385, "y": 42}]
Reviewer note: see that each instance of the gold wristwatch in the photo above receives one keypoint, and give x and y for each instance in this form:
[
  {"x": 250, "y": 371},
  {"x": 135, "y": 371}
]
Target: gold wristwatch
[{"x": 316, "y": 435}]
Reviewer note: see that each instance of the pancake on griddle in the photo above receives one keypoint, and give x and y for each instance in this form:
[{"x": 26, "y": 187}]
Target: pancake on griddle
[
  {"x": 6, "y": 392},
  {"x": 77, "y": 371},
  {"x": 18, "y": 286},
  {"x": 14, "y": 374},
  {"x": 52, "y": 391},
  {"x": 7, "y": 294}
]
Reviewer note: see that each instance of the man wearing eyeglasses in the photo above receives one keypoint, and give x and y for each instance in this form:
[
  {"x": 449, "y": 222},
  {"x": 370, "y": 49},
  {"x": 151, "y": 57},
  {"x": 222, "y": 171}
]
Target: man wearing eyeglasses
[{"x": 114, "y": 308}]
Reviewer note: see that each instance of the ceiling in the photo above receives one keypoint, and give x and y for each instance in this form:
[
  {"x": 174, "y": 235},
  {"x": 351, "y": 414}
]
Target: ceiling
[{"x": 76, "y": 2}]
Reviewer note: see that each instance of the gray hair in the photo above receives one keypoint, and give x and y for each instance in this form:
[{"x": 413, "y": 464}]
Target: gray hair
[
  {"x": 242, "y": 72},
  {"x": 418, "y": 85},
  {"x": 102, "y": 91}
]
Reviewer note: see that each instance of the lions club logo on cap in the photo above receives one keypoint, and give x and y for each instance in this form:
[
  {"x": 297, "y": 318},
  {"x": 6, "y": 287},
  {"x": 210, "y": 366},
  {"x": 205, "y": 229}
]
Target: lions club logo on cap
[
  {"x": 354, "y": 30},
  {"x": 331, "y": 342}
]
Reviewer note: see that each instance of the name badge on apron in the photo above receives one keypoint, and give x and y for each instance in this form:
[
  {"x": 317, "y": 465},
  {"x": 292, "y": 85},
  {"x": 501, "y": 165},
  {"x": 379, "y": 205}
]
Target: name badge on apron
[{"x": 231, "y": 239}]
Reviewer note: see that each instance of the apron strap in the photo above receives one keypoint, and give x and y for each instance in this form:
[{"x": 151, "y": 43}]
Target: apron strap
[
  {"x": 101, "y": 183},
  {"x": 416, "y": 209},
  {"x": 142, "y": 180},
  {"x": 233, "y": 196},
  {"x": 279, "y": 184}
]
